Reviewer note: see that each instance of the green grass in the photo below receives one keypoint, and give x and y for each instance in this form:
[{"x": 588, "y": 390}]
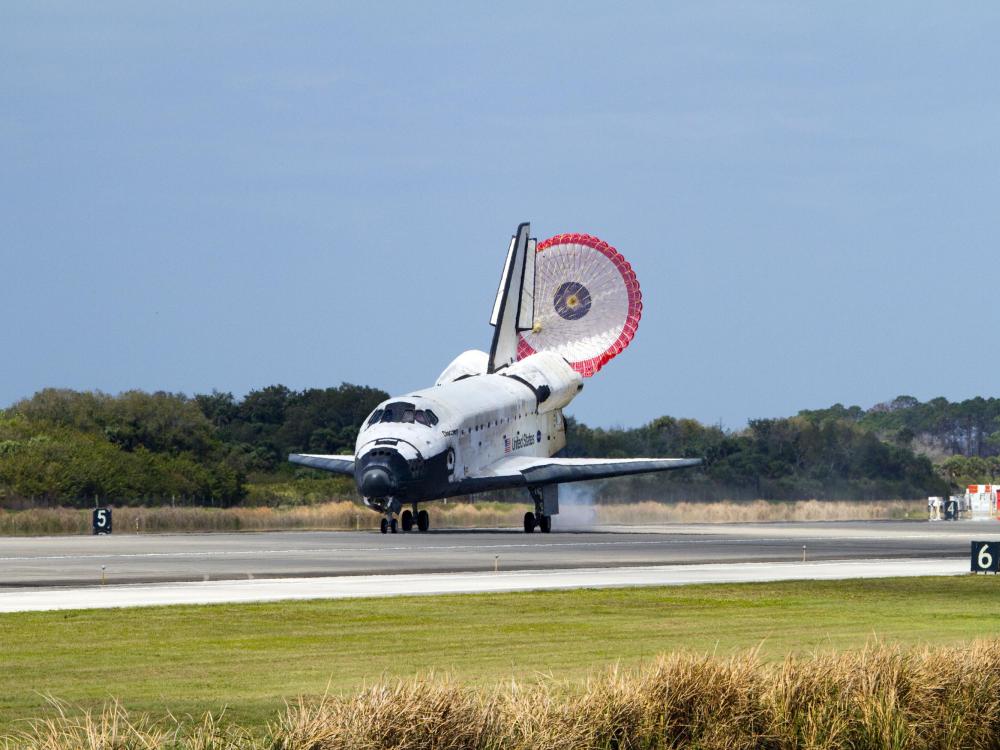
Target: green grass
[{"x": 253, "y": 657}]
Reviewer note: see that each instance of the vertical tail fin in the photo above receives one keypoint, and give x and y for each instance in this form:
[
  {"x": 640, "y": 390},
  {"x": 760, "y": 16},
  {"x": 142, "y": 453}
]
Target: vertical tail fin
[{"x": 514, "y": 307}]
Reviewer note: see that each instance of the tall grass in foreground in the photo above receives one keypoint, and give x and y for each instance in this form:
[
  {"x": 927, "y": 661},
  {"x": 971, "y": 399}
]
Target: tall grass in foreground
[
  {"x": 879, "y": 698},
  {"x": 345, "y": 515}
]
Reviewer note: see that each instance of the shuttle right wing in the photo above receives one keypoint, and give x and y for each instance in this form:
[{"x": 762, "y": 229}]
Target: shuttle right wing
[{"x": 343, "y": 465}]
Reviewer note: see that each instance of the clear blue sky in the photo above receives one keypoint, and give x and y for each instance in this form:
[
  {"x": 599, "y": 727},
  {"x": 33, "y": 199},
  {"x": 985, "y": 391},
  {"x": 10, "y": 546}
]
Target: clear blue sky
[{"x": 233, "y": 195}]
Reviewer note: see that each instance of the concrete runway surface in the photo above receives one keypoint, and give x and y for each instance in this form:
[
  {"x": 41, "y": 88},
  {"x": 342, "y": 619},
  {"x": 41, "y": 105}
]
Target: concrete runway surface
[
  {"x": 340, "y": 587},
  {"x": 160, "y": 558}
]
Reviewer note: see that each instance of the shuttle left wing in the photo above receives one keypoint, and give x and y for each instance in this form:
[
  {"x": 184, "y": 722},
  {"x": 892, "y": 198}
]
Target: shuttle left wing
[{"x": 536, "y": 472}]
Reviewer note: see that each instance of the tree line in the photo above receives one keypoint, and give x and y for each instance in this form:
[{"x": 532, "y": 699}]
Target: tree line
[
  {"x": 70, "y": 447},
  {"x": 74, "y": 448},
  {"x": 780, "y": 459},
  {"x": 938, "y": 426}
]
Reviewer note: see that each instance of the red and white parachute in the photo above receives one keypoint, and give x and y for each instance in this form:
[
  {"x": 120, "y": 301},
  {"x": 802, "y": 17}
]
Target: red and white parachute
[{"x": 587, "y": 302}]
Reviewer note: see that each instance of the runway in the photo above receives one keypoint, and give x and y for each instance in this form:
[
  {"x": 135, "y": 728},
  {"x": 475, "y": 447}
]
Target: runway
[
  {"x": 341, "y": 587},
  {"x": 129, "y": 559}
]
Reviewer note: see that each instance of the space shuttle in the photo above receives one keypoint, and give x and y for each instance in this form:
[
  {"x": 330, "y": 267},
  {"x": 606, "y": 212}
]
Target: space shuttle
[{"x": 494, "y": 421}]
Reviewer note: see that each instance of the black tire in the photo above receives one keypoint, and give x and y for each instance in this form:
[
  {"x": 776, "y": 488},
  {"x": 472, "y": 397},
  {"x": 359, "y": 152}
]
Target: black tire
[
  {"x": 545, "y": 523},
  {"x": 385, "y": 526},
  {"x": 392, "y": 525},
  {"x": 423, "y": 520},
  {"x": 529, "y": 522},
  {"x": 407, "y": 520}
]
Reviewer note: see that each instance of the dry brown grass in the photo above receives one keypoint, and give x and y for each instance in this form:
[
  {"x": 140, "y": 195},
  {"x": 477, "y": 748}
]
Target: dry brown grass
[
  {"x": 761, "y": 511},
  {"x": 343, "y": 515},
  {"x": 880, "y": 698}
]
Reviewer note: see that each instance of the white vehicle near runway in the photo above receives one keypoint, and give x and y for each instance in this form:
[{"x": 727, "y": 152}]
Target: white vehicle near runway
[{"x": 564, "y": 308}]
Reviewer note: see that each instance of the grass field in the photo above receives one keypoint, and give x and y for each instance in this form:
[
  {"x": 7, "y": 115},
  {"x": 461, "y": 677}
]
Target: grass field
[
  {"x": 345, "y": 514},
  {"x": 252, "y": 658}
]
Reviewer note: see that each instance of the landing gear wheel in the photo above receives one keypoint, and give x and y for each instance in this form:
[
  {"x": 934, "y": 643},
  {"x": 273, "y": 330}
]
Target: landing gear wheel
[
  {"x": 407, "y": 520},
  {"x": 392, "y": 525},
  {"x": 529, "y": 522},
  {"x": 385, "y": 526},
  {"x": 423, "y": 520},
  {"x": 545, "y": 524}
]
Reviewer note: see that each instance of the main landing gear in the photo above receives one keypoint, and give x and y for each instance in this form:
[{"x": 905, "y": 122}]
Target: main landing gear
[
  {"x": 406, "y": 519},
  {"x": 538, "y": 518},
  {"x": 531, "y": 521}
]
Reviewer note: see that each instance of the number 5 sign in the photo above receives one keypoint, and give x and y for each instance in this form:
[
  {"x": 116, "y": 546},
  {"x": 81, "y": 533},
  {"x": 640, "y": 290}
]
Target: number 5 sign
[
  {"x": 102, "y": 520},
  {"x": 985, "y": 557}
]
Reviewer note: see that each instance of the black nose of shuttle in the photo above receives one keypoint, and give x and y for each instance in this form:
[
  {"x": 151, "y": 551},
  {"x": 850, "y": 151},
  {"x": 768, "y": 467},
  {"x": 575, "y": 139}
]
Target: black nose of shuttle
[{"x": 376, "y": 482}]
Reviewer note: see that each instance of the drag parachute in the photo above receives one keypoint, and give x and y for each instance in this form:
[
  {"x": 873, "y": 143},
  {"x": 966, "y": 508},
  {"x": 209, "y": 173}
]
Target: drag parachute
[{"x": 587, "y": 302}]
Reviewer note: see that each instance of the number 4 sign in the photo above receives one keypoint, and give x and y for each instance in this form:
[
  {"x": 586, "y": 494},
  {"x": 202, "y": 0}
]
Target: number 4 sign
[{"x": 985, "y": 557}]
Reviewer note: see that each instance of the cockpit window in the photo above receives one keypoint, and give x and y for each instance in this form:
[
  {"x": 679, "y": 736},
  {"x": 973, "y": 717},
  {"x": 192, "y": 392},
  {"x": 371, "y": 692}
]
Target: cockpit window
[
  {"x": 394, "y": 412},
  {"x": 425, "y": 417},
  {"x": 405, "y": 413}
]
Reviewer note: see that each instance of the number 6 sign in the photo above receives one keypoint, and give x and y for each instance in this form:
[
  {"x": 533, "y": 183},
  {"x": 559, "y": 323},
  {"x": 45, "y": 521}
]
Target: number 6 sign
[{"x": 985, "y": 557}]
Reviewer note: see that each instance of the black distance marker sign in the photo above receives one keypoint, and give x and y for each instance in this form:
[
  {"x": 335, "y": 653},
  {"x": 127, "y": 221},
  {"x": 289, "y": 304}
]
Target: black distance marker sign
[
  {"x": 985, "y": 557},
  {"x": 102, "y": 520}
]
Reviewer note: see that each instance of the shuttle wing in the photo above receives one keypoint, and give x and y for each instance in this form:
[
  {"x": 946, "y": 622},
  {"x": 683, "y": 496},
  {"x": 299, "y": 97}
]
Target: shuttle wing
[
  {"x": 335, "y": 464},
  {"x": 525, "y": 471}
]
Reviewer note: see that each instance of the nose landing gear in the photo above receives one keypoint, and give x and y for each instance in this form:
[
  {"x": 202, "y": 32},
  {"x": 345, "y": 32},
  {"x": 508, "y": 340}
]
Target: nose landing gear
[{"x": 388, "y": 525}]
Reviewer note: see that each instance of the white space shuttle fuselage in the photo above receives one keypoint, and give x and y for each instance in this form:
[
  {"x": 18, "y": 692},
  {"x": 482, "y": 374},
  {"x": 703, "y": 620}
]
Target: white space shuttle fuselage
[
  {"x": 450, "y": 434},
  {"x": 491, "y": 421}
]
